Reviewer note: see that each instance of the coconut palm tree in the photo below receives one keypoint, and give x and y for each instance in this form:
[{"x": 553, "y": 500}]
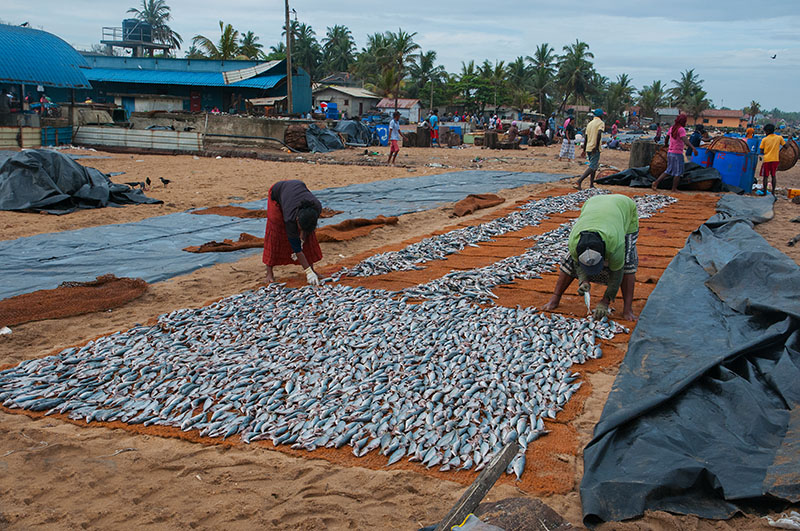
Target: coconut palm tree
[
  {"x": 543, "y": 64},
  {"x": 753, "y": 109},
  {"x": 194, "y": 53},
  {"x": 338, "y": 49},
  {"x": 306, "y": 51},
  {"x": 685, "y": 88},
  {"x": 398, "y": 55},
  {"x": 226, "y": 48},
  {"x": 575, "y": 72},
  {"x": 651, "y": 97},
  {"x": 697, "y": 103},
  {"x": 157, "y": 14},
  {"x": 424, "y": 71},
  {"x": 368, "y": 61},
  {"x": 519, "y": 74},
  {"x": 250, "y": 47}
]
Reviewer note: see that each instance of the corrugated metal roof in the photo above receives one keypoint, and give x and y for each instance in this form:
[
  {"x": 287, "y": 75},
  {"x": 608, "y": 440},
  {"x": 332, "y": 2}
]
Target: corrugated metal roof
[
  {"x": 355, "y": 92},
  {"x": 388, "y": 103},
  {"x": 174, "y": 77},
  {"x": 722, "y": 113},
  {"x": 232, "y": 76},
  {"x": 35, "y": 57}
]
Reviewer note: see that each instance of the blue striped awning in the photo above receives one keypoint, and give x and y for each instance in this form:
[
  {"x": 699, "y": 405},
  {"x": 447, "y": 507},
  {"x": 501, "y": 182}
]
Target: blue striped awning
[
  {"x": 175, "y": 77},
  {"x": 35, "y": 57}
]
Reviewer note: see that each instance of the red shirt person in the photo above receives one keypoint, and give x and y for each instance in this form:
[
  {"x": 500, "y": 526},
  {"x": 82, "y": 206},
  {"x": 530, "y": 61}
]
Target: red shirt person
[{"x": 289, "y": 238}]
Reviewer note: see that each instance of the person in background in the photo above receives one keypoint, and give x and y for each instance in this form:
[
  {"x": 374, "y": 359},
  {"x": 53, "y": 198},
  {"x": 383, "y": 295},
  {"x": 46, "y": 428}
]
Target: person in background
[
  {"x": 499, "y": 125},
  {"x": 658, "y": 133},
  {"x": 749, "y": 132},
  {"x": 602, "y": 248},
  {"x": 615, "y": 129},
  {"x": 698, "y": 136},
  {"x": 551, "y": 125},
  {"x": 770, "y": 148},
  {"x": 5, "y": 108},
  {"x": 568, "y": 143},
  {"x": 594, "y": 135},
  {"x": 513, "y": 133},
  {"x": 394, "y": 138},
  {"x": 292, "y": 214},
  {"x": 675, "y": 161},
  {"x": 434, "y": 120}
]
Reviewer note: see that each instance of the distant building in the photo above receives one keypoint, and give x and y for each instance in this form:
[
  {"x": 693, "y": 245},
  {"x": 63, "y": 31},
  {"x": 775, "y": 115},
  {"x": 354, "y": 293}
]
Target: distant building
[
  {"x": 409, "y": 109},
  {"x": 353, "y": 101},
  {"x": 141, "y": 84},
  {"x": 721, "y": 118},
  {"x": 666, "y": 115}
]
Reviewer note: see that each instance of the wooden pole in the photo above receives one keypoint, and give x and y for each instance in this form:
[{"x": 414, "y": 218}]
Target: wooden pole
[
  {"x": 475, "y": 493},
  {"x": 289, "y": 105}
]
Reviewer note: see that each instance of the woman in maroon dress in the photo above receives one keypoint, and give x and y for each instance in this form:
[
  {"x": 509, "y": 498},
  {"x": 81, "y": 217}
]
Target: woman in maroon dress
[{"x": 292, "y": 213}]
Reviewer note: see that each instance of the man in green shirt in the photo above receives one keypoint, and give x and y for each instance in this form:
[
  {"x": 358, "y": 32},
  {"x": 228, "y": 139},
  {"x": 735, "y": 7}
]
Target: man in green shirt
[{"x": 602, "y": 248}]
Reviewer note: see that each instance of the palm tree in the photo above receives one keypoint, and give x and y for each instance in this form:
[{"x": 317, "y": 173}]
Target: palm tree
[
  {"x": 226, "y": 48},
  {"x": 276, "y": 53},
  {"x": 386, "y": 84},
  {"x": 543, "y": 63},
  {"x": 338, "y": 49},
  {"x": 424, "y": 71},
  {"x": 519, "y": 74},
  {"x": 697, "y": 103},
  {"x": 753, "y": 109},
  {"x": 618, "y": 97},
  {"x": 157, "y": 14},
  {"x": 398, "y": 55},
  {"x": 249, "y": 47},
  {"x": 521, "y": 99},
  {"x": 651, "y": 97},
  {"x": 575, "y": 71},
  {"x": 306, "y": 51},
  {"x": 194, "y": 53},
  {"x": 685, "y": 88}
]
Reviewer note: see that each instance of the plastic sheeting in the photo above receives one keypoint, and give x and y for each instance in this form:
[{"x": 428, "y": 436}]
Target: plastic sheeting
[
  {"x": 152, "y": 249},
  {"x": 322, "y": 140},
  {"x": 357, "y": 133},
  {"x": 49, "y": 181},
  {"x": 703, "y": 417},
  {"x": 641, "y": 178}
]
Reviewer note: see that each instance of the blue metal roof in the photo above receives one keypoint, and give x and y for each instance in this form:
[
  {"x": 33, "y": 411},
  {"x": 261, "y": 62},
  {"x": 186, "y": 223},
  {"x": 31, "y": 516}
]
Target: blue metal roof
[
  {"x": 35, "y": 57},
  {"x": 174, "y": 77}
]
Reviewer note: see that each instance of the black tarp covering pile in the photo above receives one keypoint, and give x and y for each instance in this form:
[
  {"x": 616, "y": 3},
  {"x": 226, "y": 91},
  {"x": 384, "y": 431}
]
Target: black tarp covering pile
[
  {"x": 41, "y": 180},
  {"x": 357, "y": 133},
  {"x": 694, "y": 173},
  {"x": 703, "y": 417},
  {"x": 322, "y": 140}
]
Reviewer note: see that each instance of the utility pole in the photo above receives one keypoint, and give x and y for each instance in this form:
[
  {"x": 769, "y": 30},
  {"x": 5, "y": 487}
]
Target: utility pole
[{"x": 289, "y": 106}]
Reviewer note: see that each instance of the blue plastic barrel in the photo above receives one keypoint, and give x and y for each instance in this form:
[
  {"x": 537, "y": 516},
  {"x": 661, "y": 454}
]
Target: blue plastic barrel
[
  {"x": 383, "y": 134},
  {"x": 737, "y": 169},
  {"x": 704, "y": 157}
]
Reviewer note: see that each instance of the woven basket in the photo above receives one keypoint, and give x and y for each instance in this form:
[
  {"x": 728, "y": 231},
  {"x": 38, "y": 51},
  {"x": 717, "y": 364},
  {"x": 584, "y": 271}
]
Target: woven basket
[
  {"x": 731, "y": 145},
  {"x": 658, "y": 164},
  {"x": 789, "y": 154}
]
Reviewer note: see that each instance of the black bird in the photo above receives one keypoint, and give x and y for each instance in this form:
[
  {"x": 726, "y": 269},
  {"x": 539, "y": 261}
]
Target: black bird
[
  {"x": 135, "y": 184},
  {"x": 774, "y": 56},
  {"x": 164, "y": 181},
  {"x": 148, "y": 181},
  {"x": 24, "y": 24}
]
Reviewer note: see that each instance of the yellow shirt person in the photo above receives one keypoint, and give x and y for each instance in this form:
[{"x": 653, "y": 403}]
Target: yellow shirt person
[{"x": 771, "y": 146}]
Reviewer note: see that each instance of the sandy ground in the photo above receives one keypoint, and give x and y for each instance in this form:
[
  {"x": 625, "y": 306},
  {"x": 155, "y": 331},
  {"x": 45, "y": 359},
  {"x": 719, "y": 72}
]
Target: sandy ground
[{"x": 126, "y": 480}]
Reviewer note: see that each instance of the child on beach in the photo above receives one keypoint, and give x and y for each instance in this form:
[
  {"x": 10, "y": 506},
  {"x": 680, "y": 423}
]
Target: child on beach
[{"x": 770, "y": 148}]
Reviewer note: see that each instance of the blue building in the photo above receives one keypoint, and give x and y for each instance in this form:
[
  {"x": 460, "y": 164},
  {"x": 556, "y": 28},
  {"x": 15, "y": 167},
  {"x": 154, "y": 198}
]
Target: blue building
[
  {"x": 148, "y": 84},
  {"x": 34, "y": 61}
]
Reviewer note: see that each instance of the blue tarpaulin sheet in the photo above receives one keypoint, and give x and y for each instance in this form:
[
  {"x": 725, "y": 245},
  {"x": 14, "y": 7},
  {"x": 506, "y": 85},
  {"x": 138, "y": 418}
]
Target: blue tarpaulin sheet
[{"x": 152, "y": 249}]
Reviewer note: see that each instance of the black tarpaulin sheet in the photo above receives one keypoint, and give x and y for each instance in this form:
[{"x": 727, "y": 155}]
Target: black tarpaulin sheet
[
  {"x": 151, "y": 249},
  {"x": 641, "y": 178},
  {"x": 357, "y": 133},
  {"x": 322, "y": 140},
  {"x": 41, "y": 180},
  {"x": 703, "y": 417}
]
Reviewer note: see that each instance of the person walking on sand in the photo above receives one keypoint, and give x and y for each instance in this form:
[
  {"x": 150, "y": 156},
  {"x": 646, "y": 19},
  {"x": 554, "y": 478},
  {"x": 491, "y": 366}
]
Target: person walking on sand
[
  {"x": 770, "y": 147},
  {"x": 394, "y": 138},
  {"x": 594, "y": 135},
  {"x": 568, "y": 144},
  {"x": 434, "y": 120},
  {"x": 675, "y": 161},
  {"x": 602, "y": 248},
  {"x": 292, "y": 214}
]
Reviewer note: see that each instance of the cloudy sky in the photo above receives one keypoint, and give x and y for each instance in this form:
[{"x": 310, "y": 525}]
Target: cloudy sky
[{"x": 728, "y": 42}]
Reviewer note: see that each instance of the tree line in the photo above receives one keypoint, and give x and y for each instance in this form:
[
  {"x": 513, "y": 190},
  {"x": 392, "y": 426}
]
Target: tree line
[{"x": 393, "y": 65}]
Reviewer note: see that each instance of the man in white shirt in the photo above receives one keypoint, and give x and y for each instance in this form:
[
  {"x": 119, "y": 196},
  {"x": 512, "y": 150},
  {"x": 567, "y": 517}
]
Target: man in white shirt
[{"x": 394, "y": 137}]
